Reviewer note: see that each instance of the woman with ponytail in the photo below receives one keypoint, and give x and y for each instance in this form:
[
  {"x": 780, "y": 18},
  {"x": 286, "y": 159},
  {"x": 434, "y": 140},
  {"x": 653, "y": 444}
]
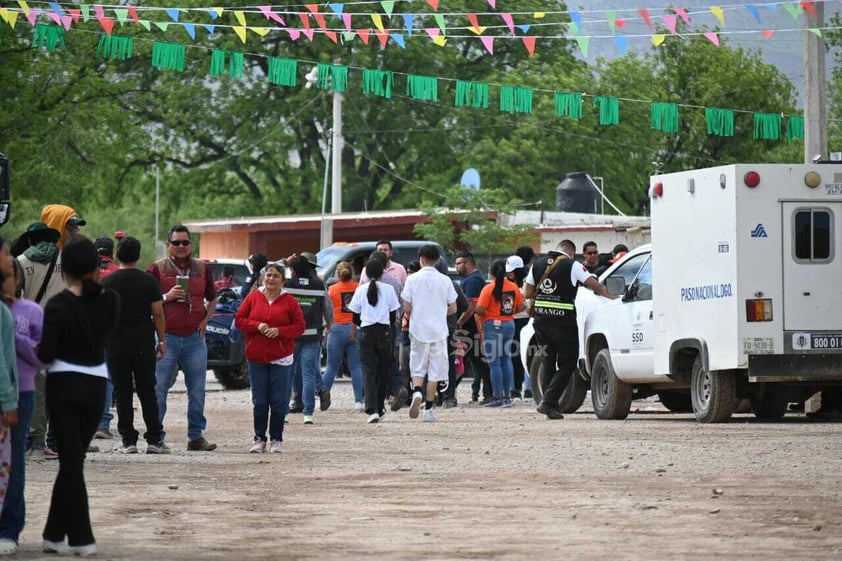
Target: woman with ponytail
[
  {"x": 77, "y": 323},
  {"x": 498, "y": 302},
  {"x": 374, "y": 306}
]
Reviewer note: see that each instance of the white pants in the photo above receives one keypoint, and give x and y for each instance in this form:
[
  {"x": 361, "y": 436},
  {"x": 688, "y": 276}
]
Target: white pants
[{"x": 428, "y": 359}]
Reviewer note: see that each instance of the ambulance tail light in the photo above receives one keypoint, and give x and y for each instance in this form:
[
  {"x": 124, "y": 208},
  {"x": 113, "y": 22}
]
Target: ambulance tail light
[
  {"x": 759, "y": 309},
  {"x": 751, "y": 179}
]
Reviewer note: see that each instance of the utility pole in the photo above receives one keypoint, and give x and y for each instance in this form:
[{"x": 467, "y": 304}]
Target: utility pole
[
  {"x": 815, "y": 89},
  {"x": 337, "y": 143}
]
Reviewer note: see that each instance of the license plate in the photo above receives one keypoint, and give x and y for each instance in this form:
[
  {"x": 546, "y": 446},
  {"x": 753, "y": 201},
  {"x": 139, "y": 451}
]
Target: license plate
[
  {"x": 758, "y": 346},
  {"x": 816, "y": 341}
]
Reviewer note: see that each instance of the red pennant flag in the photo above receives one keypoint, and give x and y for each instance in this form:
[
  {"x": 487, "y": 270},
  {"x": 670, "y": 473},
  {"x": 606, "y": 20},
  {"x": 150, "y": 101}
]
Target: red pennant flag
[
  {"x": 107, "y": 25},
  {"x": 331, "y": 35},
  {"x": 767, "y": 33},
  {"x": 363, "y": 35},
  {"x": 473, "y": 19},
  {"x": 644, "y": 13},
  {"x": 383, "y": 37},
  {"x": 75, "y": 14},
  {"x": 809, "y": 7},
  {"x": 314, "y": 8},
  {"x": 320, "y": 19},
  {"x": 433, "y": 4},
  {"x": 305, "y": 20},
  {"x": 529, "y": 43},
  {"x": 133, "y": 14},
  {"x": 620, "y": 23}
]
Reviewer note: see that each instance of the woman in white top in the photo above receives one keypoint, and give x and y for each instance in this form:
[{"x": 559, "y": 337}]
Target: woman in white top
[{"x": 374, "y": 306}]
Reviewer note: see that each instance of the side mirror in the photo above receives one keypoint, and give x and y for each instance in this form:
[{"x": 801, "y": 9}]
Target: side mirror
[
  {"x": 616, "y": 285},
  {"x": 5, "y": 212}
]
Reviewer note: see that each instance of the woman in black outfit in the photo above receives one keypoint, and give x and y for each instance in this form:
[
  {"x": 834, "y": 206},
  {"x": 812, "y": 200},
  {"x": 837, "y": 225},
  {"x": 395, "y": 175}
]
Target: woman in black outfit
[{"x": 77, "y": 323}]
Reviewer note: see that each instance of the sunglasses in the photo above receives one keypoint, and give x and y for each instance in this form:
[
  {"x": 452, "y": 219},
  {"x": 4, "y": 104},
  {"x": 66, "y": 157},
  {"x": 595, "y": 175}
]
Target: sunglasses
[
  {"x": 591, "y": 253},
  {"x": 180, "y": 242}
]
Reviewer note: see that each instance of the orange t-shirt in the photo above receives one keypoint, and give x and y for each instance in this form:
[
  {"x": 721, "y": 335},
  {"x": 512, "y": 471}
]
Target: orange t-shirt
[
  {"x": 512, "y": 299},
  {"x": 340, "y": 296}
]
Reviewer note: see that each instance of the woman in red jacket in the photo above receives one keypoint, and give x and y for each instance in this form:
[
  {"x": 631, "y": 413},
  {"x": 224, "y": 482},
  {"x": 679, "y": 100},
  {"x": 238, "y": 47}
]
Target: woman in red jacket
[{"x": 271, "y": 320}]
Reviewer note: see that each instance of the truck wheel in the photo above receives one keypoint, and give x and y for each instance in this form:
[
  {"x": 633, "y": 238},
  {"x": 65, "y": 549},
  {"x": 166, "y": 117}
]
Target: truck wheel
[
  {"x": 771, "y": 404},
  {"x": 611, "y": 397},
  {"x": 677, "y": 401},
  {"x": 713, "y": 394},
  {"x": 573, "y": 396},
  {"x": 236, "y": 378}
]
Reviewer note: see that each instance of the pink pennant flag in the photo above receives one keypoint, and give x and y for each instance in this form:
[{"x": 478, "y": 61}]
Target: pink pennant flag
[
  {"x": 509, "y": 22},
  {"x": 294, "y": 33},
  {"x": 493, "y": 4},
  {"x": 433, "y": 31},
  {"x": 99, "y": 11},
  {"x": 33, "y": 15},
  {"x": 767, "y": 33},
  {"x": 308, "y": 33},
  {"x": 644, "y": 13},
  {"x": 489, "y": 43},
  {"x": 133, "y": 14},
  {"x": 683, "y": 13},
  {"x": 529, "y": 43},
  {"x": 346, "y": 18},
  {"x": 305, "y": 20},
  {"x": 270, "y": 15},
  {"x": 332, "y": 36},
  {"x": 107, "y": 25},
  {"x": 671, "y": 20},
  {"x": 383, "y": 37},
  {"x": 363, "y": 35},
  {"x": 75, "y": 13},
  {"x": 433, "y": 4},
  {"x": 712, "y": 37},
  {"x": 55, "y": 17},
  {"x": 320, "y": 19},
  {"x": 66, "y": 21}
]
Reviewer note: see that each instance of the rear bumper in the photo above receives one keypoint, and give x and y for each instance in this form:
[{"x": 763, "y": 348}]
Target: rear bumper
[{"x": 795, "y": 368}]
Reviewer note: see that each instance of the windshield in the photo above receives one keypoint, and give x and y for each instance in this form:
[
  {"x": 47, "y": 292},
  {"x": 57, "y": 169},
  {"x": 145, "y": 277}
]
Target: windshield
[{"x": 328, "y": 257}]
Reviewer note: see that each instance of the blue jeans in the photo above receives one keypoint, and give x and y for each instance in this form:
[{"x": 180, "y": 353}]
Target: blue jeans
[
  {"x": 298, "y": 380},
  {"x": 107, "y": 415},
  {"x": 189, "y": 351},
  {"x": 395, "y": 376},
  {"x": 14, "y": 507},
  {"x": 497, "y": 346},
  {"x": 308, "y": 358},
  {"x": 270, "y": 389},
  {"x": 339, "y": 345}
]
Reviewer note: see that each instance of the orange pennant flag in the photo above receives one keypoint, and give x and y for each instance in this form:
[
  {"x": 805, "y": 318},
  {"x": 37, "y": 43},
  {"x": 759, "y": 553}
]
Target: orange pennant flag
[
  {"x": 363, "y": 34},
  {"x": 529, "y": 43},
  {"x": 383, "y": 37}
]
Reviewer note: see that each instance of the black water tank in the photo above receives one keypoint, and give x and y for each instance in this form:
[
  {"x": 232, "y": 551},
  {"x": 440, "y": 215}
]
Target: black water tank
[{"x": 577, "y": 193}]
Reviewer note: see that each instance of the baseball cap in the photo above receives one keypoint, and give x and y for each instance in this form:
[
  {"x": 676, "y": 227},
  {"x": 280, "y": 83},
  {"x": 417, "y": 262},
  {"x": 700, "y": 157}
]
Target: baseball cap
[
  {"x": 311, "y": 258},
  {"x": 76, "y": 221},
  {"x": 104, "y": 245},
  {"x": 119, "y": 234},
  {"x": 513, "y": 262},
  {"x": 40, "y": 232}
]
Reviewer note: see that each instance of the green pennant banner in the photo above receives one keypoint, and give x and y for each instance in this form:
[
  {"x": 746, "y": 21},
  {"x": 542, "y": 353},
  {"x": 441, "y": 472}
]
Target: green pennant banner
[
  {"x": 169, "y": 56},
  {"x": 609, "y": 109},
  {"x": 422, "y": 87},
  {"x": 664, "y": 117},
  {"x": 794, "y": 128},
  {"x": 283, "y": 71},
  {"x": 767, "y": 126},
  {"x": 720, "y": 122},
  {"x": 515, "y": 100},
  {"x": 568, "y": 104},
  {"x": 473, "y": 94},
  {"x": 332, "y": 76},
  {"x": 48, "y": 37},
  {"x": 378, "y": 82},
  {"x": 115, "y": 46}
]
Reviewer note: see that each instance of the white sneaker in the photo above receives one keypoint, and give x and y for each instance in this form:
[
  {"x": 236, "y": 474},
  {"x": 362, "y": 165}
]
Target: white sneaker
[
  {"x": 7, "y": 546},
  {"x": 308, "y": 420},
  {"x": 258, "y": 447},
  {"x": 430, "y": 416},
  {"x": 358, "y": 406},
  {"x": 417, "y": 398},
  {"x": 61, "y": 548},
  {"x": 373, "y": 418},
  {"x": 275, "y": 447},
  {"x": 81, "y": 550}
]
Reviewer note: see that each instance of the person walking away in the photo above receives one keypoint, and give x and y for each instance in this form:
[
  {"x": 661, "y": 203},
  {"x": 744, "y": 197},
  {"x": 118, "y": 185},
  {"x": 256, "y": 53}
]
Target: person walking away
[
  {"x": 447, "y": 392},
  {"x": 311, "y": 295},
  {"x": 29, "y": 321},
  {"x": 132, "y": 353},
  {"x": 342, "y": 341},
  {"x": 77, "y": 324},
  {"x": 375, "y": 306},
  {"x": 553, "y": 282},
  {"x": 8, "y": 385},
  {"x": 429, "y": 298},
  {"x": 271, "y": 320},
  {"x": 472, "y": 284},
  {"x": 105, "y": 248},
  {"x": 186, "y": 316},
  {"x": 497, "y": 304}
]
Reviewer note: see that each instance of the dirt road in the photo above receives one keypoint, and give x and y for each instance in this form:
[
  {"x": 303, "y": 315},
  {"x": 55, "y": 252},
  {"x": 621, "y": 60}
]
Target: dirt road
[{"x": 479, "y": 484}]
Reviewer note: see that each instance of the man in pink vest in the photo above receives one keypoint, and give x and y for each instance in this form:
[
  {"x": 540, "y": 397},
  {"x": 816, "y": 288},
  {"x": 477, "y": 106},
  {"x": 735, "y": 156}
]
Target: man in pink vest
[{"x": 187, "y": 315}]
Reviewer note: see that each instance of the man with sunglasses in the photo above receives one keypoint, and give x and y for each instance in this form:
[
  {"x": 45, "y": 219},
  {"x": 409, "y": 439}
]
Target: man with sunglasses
[
  {"x": 591, "y": 254},
  {"x": 186, "y": 316}
]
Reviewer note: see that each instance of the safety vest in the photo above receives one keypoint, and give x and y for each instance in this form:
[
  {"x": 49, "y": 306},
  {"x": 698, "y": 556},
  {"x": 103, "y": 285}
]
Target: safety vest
[
  {"x": 555, "y": 296},
  {"x": 310, "y": 294}
]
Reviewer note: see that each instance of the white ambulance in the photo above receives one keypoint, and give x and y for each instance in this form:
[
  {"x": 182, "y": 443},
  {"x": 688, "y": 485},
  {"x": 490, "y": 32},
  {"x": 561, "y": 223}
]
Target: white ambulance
[{"x": 740, "y": 297}]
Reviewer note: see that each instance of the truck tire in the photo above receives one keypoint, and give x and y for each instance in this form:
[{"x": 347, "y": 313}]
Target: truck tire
[
  {"x": 677, "y": 401},
  {"x": 573, "y": 396},
  {"x": 611, "y": 398},
  {"x": 771, "y": 405},
  {"x": 236, "y": 378},
  {"x": 713, "y": 393}
]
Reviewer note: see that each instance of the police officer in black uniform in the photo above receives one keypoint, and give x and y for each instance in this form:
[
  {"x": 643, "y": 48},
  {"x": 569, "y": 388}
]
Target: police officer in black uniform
[{"x": 554, "y": 317}]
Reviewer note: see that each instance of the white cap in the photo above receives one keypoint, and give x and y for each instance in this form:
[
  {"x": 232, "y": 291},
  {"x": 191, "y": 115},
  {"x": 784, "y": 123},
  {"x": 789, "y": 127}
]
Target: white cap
[{"x": 513, "y": 262}]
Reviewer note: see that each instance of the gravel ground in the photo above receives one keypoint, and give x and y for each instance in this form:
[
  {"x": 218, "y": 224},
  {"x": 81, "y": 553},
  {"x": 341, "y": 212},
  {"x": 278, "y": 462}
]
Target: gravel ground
[{"x": 479, "y": 484}]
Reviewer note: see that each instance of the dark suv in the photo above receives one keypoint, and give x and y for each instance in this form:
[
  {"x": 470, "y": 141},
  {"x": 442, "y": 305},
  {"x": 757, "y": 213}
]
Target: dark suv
[{"x": 357, "y": 254}]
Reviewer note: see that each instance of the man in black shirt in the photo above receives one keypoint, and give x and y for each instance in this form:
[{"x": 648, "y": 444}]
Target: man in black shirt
[{"x": 132, "y": 352}]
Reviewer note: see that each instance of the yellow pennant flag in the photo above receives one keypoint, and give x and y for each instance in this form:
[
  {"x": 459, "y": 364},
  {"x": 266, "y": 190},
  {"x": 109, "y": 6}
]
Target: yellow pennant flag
[
  {"x": 440, "y": 40},
  {"x": 24, "y": 8},
  {"x": 539, "y": 15},
  {"x": 262, "y": 31},
  {"x": 719, "y": 13},
  {"x": 378, "y": 21},
  {"x": 478, "y": 30},
  {"x": 4, "y": 13},
  {"x": 9, "y": 16},
  {"x": 218, "y": 11},
  {"x": 241, "y": 33},
  {"x": 658, "y": 39},
  {"x": 241, "y": 17}
]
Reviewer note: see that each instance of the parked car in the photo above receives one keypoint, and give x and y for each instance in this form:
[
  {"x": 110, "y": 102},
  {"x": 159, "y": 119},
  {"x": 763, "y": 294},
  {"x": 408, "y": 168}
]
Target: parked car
[
  {"x": 356, "y": 253},
  {"x": 226, "y": 343}
]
